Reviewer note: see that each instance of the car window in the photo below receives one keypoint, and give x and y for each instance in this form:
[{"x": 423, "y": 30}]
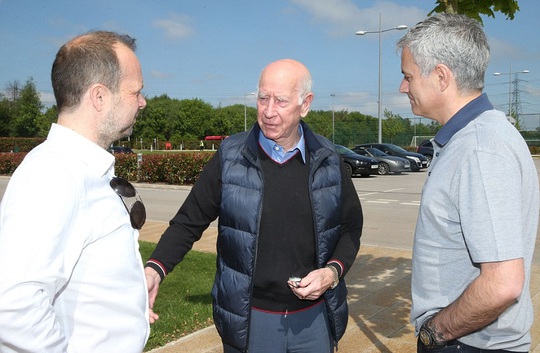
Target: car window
[
  {"x": 376, "y": 152},
  {"x": 362, "y": 152},
  {"x": 396, "y": 149},
  {"x": 344, "y": 150}
]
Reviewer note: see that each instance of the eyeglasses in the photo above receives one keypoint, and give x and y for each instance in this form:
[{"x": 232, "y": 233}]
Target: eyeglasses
[{"x": 137, "y": 211}]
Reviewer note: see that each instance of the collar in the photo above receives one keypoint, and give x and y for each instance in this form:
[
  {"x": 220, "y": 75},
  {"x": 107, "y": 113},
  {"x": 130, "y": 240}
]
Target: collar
[
  {"x": 463, "y": 117},
  {"x": 277, "y": 152},
  {"x": 98, "y": 160}
]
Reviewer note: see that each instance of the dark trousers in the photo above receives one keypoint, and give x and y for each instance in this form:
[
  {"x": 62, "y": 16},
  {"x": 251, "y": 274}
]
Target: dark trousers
[
  {"x": 305, "y": 331},
  {"x": 457, "y": 347}
]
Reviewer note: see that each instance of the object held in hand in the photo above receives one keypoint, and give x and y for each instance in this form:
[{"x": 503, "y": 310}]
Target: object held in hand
[{"x": 295, "y": 280}]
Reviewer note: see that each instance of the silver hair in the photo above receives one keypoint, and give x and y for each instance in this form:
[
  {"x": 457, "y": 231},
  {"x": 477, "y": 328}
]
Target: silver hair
[
  {"x": 304, "y": 88},
  {"x": 456, "y": 41}
]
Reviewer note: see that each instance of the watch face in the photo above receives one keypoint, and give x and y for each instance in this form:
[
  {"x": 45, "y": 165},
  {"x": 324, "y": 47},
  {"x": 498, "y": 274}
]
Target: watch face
[{"x": 425, "y": 337}]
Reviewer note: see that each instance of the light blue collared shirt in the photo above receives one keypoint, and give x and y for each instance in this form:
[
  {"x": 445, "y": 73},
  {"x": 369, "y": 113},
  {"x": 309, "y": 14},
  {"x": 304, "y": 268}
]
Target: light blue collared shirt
[{"x": 278, "y": 153}]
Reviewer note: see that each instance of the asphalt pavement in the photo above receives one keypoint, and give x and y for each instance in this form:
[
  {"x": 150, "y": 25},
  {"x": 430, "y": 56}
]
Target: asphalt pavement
[
  {"x": 379, "y": 301},
  {"x": 378, "y": 282}
]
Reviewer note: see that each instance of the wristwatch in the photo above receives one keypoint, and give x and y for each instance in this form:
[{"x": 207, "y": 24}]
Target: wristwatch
[
  {"x": 427, "y": 336},
  {"x": 336, "y": 276}
]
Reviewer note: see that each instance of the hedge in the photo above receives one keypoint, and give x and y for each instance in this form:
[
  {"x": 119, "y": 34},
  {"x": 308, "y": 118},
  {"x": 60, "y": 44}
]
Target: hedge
[
  {"x": 172, "y": 168},
  {"x": 19, "y": 144}
]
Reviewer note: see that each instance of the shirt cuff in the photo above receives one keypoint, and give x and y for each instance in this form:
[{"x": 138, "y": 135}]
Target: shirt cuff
[
  {"x": 337, "y": 265},
  {"x": 158, "y": 267}
]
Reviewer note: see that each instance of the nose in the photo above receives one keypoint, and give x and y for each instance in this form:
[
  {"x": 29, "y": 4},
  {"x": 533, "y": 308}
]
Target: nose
[
  {"x": 404, "y": 86},
  {"x": 142, "y": 102},
  {"x": 270, "y": 109}
]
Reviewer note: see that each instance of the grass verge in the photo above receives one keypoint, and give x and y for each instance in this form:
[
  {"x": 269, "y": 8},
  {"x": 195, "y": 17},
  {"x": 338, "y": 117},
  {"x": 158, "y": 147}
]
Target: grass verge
[{"x": 184, "y": 304}]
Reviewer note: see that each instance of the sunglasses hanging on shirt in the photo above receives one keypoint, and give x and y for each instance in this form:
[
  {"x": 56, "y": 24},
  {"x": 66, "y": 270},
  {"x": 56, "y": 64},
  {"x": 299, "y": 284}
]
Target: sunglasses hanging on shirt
[{"x": 137, "y": 211}]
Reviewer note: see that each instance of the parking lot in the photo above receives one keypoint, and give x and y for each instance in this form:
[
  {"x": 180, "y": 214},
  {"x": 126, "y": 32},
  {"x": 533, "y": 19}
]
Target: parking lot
[{"x": 378, "y": 283}]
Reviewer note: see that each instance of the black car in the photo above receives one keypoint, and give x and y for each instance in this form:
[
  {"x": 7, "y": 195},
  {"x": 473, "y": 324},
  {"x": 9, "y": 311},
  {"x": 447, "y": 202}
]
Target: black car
[
  {"x": 387, "y": 164},
  {"x": 426, "y": 148},
  {"x": 418, "y": 161},
  {"x": 357, "y": 164},
  {"x": 120, "y": 149}
]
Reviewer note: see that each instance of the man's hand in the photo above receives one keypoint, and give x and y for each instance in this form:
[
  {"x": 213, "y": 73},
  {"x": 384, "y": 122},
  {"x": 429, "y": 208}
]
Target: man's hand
[
  {"x": 314, "y": 284},
  {"x": 152, "y": 280}
]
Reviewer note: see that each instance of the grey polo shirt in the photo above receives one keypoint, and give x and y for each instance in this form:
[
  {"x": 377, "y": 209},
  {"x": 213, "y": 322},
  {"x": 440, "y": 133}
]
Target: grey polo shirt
[{"x": 479, "y": 204}]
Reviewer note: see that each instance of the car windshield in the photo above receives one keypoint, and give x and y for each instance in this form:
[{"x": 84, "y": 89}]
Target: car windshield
[
  {"x": 363, "y": 152},
  {"x": 396, "y": 149},
  {"x": 376, "y": 152},
  {"x": 344, "y": 150}
]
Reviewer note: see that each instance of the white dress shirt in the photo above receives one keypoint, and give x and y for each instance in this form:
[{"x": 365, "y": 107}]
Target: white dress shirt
[{"x": 71, "y": 276}]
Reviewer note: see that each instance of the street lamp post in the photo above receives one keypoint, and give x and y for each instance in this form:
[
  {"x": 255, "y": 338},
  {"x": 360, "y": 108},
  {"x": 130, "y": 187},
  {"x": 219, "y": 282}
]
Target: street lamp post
[
  {"x": 510, "y": 86},
  {"x": 333, "y": 120},
  {"x": 380, "y": 32},
  {"x": 245, "y": 109}
]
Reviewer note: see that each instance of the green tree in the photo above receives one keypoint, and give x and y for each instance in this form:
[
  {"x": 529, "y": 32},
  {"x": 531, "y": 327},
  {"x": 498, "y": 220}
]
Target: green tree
[
  {"x": 44, "y": 121},
  {"x": 229, "y": 120},
  {"x": 320, "y": 121},
  {"x": 27, "y": 111},
  {"x": 5, "y": 116},
  {"x": 197, "y": 115},
  {"x": 475, "y": 8}
]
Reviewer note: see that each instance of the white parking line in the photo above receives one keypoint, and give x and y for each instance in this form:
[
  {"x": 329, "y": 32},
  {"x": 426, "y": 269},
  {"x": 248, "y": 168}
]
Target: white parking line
[
  {"x": 368, "y": 193},
  {"x": 363, "y": 197},
  {"x": 392, "y": 190}
]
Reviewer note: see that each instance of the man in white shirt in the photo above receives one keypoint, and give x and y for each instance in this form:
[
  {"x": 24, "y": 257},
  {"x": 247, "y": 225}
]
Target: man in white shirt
[{"x": 71, "y": 276}]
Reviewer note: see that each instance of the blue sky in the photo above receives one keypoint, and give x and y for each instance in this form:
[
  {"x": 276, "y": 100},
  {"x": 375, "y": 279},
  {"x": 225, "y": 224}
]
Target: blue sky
[{"x": 215, "y": 49}]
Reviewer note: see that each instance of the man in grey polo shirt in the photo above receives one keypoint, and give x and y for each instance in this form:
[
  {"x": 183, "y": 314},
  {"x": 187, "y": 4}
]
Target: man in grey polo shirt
[{"x": 478, "y": 216}]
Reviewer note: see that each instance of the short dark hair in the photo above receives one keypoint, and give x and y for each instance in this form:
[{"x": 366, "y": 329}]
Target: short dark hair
[{"x": 85, "y": 60}]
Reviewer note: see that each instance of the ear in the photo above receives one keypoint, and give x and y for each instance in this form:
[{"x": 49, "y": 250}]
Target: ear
[
  {"x": 98, "y": 96},
  {"x": 445, "y": 77},
  {"x": 306, "y": 105}
]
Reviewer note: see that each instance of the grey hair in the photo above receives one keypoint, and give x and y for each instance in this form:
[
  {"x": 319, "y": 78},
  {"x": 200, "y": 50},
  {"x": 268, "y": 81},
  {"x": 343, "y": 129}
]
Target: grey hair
[
  {"x": 304, "y": 88},
  {"x": 456, "y": 41}
]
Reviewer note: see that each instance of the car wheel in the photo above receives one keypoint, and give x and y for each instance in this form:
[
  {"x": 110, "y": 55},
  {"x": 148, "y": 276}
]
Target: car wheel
[
  {"x": 383, "y": 168},
  {"x": 349, "y": 169}
]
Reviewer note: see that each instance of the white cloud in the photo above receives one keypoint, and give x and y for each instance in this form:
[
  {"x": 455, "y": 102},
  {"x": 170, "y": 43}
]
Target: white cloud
[
  {"x": 507, "y": 51},
  {"x": 47, "y": 98},
  {"x": 176, "y": 27},
  {"x": 534, "y": 91},
  {"x": 160, "y": 75},
  {"x": 343, "y": 17}
]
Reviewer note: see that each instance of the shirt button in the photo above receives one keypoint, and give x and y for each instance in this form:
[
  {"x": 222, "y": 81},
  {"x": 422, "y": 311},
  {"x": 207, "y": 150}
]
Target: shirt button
[
  {"x": 437, "y": 154},
  {"x": 429, "y": 173}
]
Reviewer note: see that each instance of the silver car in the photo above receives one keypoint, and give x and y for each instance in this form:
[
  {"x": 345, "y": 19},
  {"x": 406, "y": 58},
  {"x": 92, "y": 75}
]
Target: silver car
[{"x": 387, "y": 164}]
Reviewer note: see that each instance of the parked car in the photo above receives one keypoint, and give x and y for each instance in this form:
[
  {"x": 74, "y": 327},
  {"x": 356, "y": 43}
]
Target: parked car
[
  {"x": 387, "y": 163},
  {"x": 357, "y": 164},
  {"x": 418, "y": 161},
  {"x": 120, "y": 149},
  {"x": 426, "y": 148}
]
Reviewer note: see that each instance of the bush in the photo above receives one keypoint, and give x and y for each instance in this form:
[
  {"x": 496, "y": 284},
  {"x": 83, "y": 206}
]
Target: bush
[
  {"x": 19, "y": 144},
  {"x": 181, "y": 168},
  {"x": 171, "y": 168},
  {"x": 10, "y": 161}
]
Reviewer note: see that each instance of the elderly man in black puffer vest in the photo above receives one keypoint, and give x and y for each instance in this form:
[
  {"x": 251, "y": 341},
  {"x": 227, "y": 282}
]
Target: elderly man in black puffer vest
[{"x": 286, "y": 207}]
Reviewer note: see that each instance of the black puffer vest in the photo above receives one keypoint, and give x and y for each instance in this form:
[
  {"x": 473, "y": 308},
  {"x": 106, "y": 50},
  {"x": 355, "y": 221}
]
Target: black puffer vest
[{"x": 241, "y": 207}]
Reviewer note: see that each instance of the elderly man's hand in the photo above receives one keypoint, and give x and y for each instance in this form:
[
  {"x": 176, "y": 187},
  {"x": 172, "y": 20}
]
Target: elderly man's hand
[{"x": 312, "y": 286}]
